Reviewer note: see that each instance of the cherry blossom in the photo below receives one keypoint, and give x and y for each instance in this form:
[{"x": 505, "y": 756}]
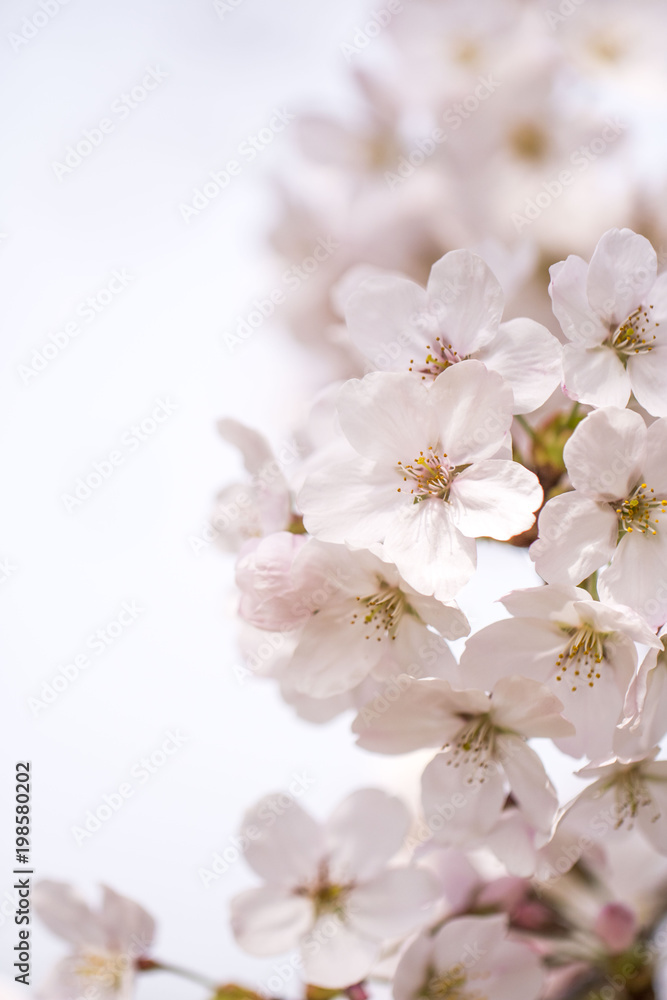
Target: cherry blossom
[
  {"x": 469, "y": 957},
  {"x": 358, "y": 616},
  {"x": 582, "y": 649},
  {"x": 105, "y": 943},
  {"x": 618, "y": 468},
  {"x": 484, "y": 751},
  {"x": 328, "y": 889},
  {"x": 400, "y": 326},
  {"x": 613, "y": 312},
  {"x": 426, "y": 480}
]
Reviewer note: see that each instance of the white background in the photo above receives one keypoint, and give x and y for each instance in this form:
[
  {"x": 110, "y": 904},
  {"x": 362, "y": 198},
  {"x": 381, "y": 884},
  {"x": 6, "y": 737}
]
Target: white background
[{"x": 130, "y": 541}]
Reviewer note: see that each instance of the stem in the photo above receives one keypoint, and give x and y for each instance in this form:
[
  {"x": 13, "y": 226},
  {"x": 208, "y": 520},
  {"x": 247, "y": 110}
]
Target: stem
[
  {"x": 521, "y": 420},
  {"x": 151, "y": 965}
]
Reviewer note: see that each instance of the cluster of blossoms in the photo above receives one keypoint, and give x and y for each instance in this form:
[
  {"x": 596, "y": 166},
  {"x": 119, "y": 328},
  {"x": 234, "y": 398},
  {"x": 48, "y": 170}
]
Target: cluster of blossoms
[{"x": 455, "y": 418}]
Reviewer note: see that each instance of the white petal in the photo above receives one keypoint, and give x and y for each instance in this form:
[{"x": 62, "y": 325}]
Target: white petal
[
  {"x": 541, "y": 602},
  {"x": 529, "y": 782},
  {"x": 495, "y": 498},
  {"x": 516, "y": 971},
  {"x": 363, "y": 833},
  {"x": 383, "y": 319},
  {"x": 529, "y": 358},
  {"x": 333, "y": 655},
  {"x": 606, "y": 453},
  {"x": 473, "y": 407},
  {"x": 457, "y": 805},
  {"x": 269, "y": 920},
  {"x": 656, "y": 448},
  {"x": 577, "y": 536},
  {"x": 637, "y": 576},
  {"x": 65, "y": 913},
  {"x": 470, "y": 299},
  {"x": 527, "y": 707},
  {"x": 387, "y": 416},
  {"x": 424, "y": 715},
  {"x": 285, "y": 844},
  {"x": 254, "y": 447},
  {"x": 622, "y": 270},
  {"x": 465, "y": 936},
  {"x": 335, "y": 955},
  {"x": 595, "y": 376},
  {"x": 652, "y": 819},
  {"x": 529, "y": 647},
  {"x": 412, "y": 970},
  {"x": 579, "y": 322},
  {"x": 648, "y": 378},
  {"x": 594, "y": 711},
  {"x": 431, "y": 554},
  {"x": 126, "y": 923},
  {"x": 352, "y": 502},
  {"x": 394, "y": 903}
]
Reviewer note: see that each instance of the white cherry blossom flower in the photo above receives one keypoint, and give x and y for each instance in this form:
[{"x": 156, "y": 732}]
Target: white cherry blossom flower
[
  {"x": 106, "y": 943},
  {"x": 328, "y": 888},
  {"x": 645, "y": 721},
  {"x": 400, "y": 326},
  {"x": 618, "y": 468},
  {"x": 469, "y": 958},
  {"x": 613, "y": 312},
  {"x": 582, "y": 649},
  {"x": 357, "y": 616},
  {"x": 627, "y": 794},
  {"x": 484, "y": 751},
  {"x": 426, "y": 481}
]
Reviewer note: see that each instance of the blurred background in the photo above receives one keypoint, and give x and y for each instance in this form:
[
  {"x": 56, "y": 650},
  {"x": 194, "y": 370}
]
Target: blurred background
[{"x": 151, "y": 150}]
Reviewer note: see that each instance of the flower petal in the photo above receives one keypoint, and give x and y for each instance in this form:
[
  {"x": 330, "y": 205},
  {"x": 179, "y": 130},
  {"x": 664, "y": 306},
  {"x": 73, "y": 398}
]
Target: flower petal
[
  {"x": 365, "y": 830},
  {"x": 606, "y": 454},
  {"x": 495, "y": 498},
  {"x": 648, "y": 378},
  {"x": 270, "y": 919},
  {"x": 622, "y": 270},
  {"x": 387, "y": 416},
  {"x": 394, "y": 903},
  {"x": 595, "y": 376},
  {"x": 579, "y": 322},
  {"x": 284, "y": 843},
  {"x": 383, "y": 319},
  {"x": 577, "y": 536},
  {"x": 473, "y": 407},
  {"x": 470, "y": 300},
  {"x": 529, "y": 358},
  {"x": 335, "y": 955},
  {"x": 529, "y": 782}
]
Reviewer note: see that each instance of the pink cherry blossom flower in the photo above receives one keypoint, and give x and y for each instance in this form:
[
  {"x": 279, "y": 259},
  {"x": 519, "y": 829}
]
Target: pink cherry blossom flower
[
  {"x": 618, "y": 468},
  {"x": 582, "y": 649},
  {"x": 613, "y": 312},
  {"x": 469, "y": 958},
  {"x": 399, "y": 326},
  {"x": 105, "y": 943},
  {"x": 328, "y": 889},
  {"x": 484, "y": 751},
  {"x": 357, "y": 616},
  {"x": 426, "y": 480}
]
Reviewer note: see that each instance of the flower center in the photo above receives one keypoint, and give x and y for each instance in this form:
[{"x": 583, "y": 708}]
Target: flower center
[
  {"x": 637, "y": 512},
  {"x": 632, "y": 794},
  {"x": 327, "y": 897},
  {"x": 529, "y": 141},
  {"x": 634, "y": 335},
  {"x": 581, "y": 657},
  {"x": 104, "y": 967},
  {"x": 384, "y": 610},
  {"x": 454, "y": 985},
  {"x": 440, "y": 357},
  {"x": 429, "y": 475},
  {"x": 473, "y": 747}
]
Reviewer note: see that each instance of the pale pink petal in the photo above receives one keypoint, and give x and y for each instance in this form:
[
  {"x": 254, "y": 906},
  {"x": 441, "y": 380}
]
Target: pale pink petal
[
  {"x": 333, "y": 654},
  {"x": 270, "y": 919},
  {"x": 515, "y": 971},
  {"x": 529, "y": 358},
  {"x": 284, "y": 843},
  {"x": 656, "y": 448},
  {"x": 387, "y": 416},
  {"x": 576, "y": 537},
  {"x": 127, "y": 924},
  {"x": 579, "y": 322},
  {"x": 352, "y": 502},
  {"x": 470, "y": 300},
  {"x": 652, "y": 817},
  {"x": 525, "y": 706},
  {"x": 648, "y": 378},
  {"x": 595, "y": 376},
  {"x": 637, "y": 576},
  {"x": 383, "y": 316},
  {"x": 412, "y": 970},
  {"x": 529, "y": 647},
  {"x": 467, "y": 937},
  {"x": 542, "y": 602},
  {"x": 429, "y": 551},
  {"x": 394, "y": 903},
  {"x": 529, "y": 782},
  {"x": 67, "y": 914},
  {"x": 606, "y": 453},
  {"x": 253, "y": 446},
  {"x": 458, "y": 805},
  {"x": 365, "y": 830},
  {"x": 495, "y": 498},
  {"x": 335, "y": 955},
  {"x": 474, "y": 411},
  {"x": 622, "y": 270}
]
